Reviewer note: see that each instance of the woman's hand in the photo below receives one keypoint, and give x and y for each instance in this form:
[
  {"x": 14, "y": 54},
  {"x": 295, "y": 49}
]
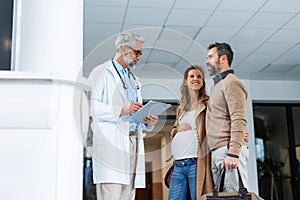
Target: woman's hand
[{"x": 184, "y": 127}]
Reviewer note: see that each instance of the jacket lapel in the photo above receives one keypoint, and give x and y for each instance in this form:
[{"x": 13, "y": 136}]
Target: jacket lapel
[
  {"x": 118, "y": 81},
  {"x": 200, "y": 108}
]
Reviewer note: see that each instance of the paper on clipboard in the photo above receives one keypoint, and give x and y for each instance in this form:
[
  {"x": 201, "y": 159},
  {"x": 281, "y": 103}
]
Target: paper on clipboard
[{"x": 150, "y": 108}]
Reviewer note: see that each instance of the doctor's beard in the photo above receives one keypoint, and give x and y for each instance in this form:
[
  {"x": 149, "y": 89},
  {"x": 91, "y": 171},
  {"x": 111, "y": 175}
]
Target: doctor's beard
[{"x": 129, "y": 61}]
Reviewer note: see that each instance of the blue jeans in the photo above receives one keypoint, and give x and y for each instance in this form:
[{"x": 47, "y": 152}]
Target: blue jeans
[{"x": 183, "y": 180}]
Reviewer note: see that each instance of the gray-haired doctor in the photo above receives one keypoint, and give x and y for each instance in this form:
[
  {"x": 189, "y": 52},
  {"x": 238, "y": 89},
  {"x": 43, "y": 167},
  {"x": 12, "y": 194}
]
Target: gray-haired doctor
[{"x": 118, "y": 147}]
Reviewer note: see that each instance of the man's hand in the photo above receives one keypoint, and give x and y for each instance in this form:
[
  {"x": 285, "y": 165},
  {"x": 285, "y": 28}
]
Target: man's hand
[
  {"x": 230, "y": 162},
  {"x": 151, "y": 120},
  {"x": 247, "y": 137},
  {"x": 131, "y": 107}
]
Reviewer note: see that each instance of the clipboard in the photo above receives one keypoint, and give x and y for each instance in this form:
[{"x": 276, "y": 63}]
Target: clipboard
[{"x": 150, "y": 108}]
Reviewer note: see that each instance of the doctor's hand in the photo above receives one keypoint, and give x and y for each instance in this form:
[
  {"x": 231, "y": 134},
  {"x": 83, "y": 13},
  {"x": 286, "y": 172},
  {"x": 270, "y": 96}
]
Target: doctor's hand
[
  {"x": 151, "y": 120},
  {"x": 131, "y": 107}
]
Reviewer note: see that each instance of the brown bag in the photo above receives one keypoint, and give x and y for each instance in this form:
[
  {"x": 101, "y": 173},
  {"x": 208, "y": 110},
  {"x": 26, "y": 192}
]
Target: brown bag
[
  {"x": 168, "y": 176},
  {"x": 242, "y": 194}
]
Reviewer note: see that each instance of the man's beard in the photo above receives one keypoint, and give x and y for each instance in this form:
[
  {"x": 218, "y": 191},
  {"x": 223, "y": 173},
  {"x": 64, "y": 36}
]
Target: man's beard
[
  {"x": 128, "y": 61},
  {"x": 213, "y": 70}
]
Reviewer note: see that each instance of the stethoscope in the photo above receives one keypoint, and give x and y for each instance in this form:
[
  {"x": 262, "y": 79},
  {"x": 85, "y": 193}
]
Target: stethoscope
[{"x": 125, "y": 86}]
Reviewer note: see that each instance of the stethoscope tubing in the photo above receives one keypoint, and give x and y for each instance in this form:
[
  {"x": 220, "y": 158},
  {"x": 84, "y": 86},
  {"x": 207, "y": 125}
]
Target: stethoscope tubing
[{"x": 125, "y": 86}]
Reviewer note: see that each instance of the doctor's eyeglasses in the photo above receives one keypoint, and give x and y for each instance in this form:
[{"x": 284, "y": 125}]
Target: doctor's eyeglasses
[{"x": 137, "y": 52}]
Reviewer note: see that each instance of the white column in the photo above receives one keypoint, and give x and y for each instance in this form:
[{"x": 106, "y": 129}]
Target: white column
[
  {"x": 50, "y": 36},
  {"x": 40, "y": 134}
]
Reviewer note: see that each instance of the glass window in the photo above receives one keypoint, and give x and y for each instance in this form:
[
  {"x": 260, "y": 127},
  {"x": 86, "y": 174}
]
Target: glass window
[{"x": 272, "y": 148}]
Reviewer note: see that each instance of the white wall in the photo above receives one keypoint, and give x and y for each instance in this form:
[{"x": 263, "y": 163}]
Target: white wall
[{"x": 273, "y": 91}]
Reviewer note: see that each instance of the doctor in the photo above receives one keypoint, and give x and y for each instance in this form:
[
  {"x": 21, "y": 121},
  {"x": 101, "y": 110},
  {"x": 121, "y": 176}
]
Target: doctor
[{"x": 118, "y": 147}]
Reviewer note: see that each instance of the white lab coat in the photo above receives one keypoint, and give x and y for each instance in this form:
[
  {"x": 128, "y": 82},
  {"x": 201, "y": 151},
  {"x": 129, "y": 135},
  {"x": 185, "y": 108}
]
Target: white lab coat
[{"x": 111, "y": 158}]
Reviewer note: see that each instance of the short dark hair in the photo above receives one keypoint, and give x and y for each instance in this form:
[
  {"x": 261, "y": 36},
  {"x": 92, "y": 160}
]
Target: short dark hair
[{"x": 223, "y": 49}]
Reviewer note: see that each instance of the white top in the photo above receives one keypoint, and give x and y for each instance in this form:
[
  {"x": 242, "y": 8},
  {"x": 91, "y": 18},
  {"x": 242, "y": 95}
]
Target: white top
[{"x": 185, "y": 144}]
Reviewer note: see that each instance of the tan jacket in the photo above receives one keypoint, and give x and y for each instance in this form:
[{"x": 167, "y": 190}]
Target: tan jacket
[
  {"x": 226, "y": 115},
  {"x": 204, "y": 176}
]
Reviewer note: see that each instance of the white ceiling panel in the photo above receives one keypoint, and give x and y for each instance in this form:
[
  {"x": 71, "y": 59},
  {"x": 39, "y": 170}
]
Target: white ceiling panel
[
  {"x": 295, "y": 50},
  {"x": 216, "y": 34},
  {"x": 161, "y": 56},
  {"x": 257, "y": 62},
  {"x": 146, "y": 16},
  {"x": 238, "y": 58},
  {"x": 295, "y": 71},
  {"x": 294, "y": 23},
  {"x": 155, "y": 74},
  {"x": 174, "y": 46},
  {"x": 182, "y": 65},
  {"x": 196, "y": 4},
  {"x": 102, "y": 55},
  {"x": 261, "y": 32},
  {"x": 151, "y": 4},
  {"x": 248, "y": 69},
  {"x": 91, "y": 43},
  {"x": 130, "y": 27},
  {"x": 171, "y": 34},
  {"x": 104, "y": 14},
  {"x": 242, "y": 51},
  {"x": 244, "y": 47},
  {"x": 287, "y": 60},
  {"x": 277, "y": 68},
  {"x": 155, "y": 71},
  {"x": 229, "y": 19},
  {"x": 149, "y": 43},
  {"x": 205, "y": 43},
  {"x": 274, "y": 47},
  {"x": 106, "y": 2},
  {"x": 184, "y": 17},
  {"x": 292, "y": 74},
  {"x": 101, "y": 29},
  {"x": 265, "y": 20},
  {"x": 248, "y": 75},
  {"x": 238, "y": 5},
  {"x": 195, "y": 54},
  {"x": 253, "y": 35},
  {"x": 266, "y": 76},
  {"x": 286, "y": 36},
  {"x": 189, "y": 31},
  {"x": 282, "y": 6},
  {"x": 148, "y": 32}
]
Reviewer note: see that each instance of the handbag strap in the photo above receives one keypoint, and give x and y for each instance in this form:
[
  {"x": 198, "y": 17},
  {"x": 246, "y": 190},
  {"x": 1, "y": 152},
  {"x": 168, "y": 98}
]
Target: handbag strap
[
  {"x": 220, "y": 183},
  {"x": 242, "y": 190}
]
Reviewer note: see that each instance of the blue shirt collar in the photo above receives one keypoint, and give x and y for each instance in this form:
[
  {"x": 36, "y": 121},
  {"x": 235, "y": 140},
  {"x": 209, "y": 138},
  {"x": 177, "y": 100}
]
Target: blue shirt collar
[{"x": 118, "y": 66}]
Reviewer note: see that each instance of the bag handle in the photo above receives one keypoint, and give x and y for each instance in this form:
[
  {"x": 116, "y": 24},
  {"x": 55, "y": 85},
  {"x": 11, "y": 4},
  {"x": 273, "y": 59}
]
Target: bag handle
[{"x": 220, "y": 182}]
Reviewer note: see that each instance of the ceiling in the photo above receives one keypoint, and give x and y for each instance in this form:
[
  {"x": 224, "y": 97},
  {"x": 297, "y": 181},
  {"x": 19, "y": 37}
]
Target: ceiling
[{"x": 264, "y": 34}]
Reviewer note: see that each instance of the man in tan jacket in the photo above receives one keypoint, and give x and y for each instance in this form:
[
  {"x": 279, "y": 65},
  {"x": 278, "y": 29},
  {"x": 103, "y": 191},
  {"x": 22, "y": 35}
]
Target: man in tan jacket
[{"x": 226, "y": 118}]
